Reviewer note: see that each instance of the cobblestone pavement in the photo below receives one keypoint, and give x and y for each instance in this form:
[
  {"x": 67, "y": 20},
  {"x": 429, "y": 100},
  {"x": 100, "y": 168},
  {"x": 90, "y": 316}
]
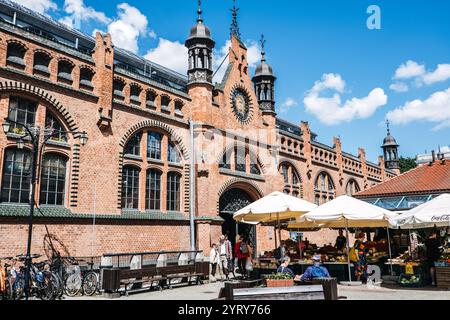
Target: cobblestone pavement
[{"x": 210, "y": 291}]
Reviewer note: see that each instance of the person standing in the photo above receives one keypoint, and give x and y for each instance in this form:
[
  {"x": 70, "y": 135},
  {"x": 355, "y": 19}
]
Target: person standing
[
  {"x": 241, "y": 251},
  {"x": 213, "y": 260},
  {"x": 433, "y": 253},
  {"x": 341, "y": 241},
  {"x": 223, "y": 264},
  {"x": 361, "y": 263},
  {"x": 229, "y": 256}
]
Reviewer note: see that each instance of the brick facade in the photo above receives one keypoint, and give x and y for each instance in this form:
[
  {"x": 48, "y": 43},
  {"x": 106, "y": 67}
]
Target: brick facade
[{"x": 94, "y": 171}]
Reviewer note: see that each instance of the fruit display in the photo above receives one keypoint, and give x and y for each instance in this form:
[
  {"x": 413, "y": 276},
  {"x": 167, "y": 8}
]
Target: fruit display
[{"x": 410, "y": 280}]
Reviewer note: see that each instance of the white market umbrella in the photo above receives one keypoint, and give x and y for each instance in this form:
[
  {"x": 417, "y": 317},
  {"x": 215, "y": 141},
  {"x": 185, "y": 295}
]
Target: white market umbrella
[
  {"x": 435, "y": 212},
  {"x": 274, "y": 207},
  {"x": 346, "y": 212}
]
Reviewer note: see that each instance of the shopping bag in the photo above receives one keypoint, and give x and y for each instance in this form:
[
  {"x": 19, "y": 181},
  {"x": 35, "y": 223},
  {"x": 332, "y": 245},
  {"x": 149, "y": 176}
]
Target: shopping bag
[
  {"x": 352, "y": 255},
  {"x": 249, "y": 265}
]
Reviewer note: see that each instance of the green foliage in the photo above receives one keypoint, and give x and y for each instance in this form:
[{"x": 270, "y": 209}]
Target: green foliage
[
  {"x": 278, "y": 276},
  {"x": 407, "y": 164}
]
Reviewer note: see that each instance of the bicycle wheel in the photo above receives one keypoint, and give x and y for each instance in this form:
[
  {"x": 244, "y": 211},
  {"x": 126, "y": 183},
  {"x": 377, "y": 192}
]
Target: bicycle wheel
[
  {"x": 60, "y": 290},
  {"x": 18, "y": 289},
  {"x": 7, "y": 294},
  {"x": 73, "y": 285},
  {"x": 90, "y": 283}
]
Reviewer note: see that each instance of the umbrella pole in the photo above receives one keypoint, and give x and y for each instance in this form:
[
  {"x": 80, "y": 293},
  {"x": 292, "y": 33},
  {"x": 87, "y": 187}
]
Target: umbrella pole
[
  {"x": 275, "y": 233},
  {"x": 301, "y": 240},
  {"x": 390, "y": 253},
  {"x": 279, "y": 227},
  {"x": 348, "y": 251}
]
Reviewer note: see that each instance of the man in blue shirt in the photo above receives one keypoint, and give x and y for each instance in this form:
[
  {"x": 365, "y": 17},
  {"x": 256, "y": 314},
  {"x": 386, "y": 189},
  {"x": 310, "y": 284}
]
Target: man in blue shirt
[{"x": 316, "y": 270}]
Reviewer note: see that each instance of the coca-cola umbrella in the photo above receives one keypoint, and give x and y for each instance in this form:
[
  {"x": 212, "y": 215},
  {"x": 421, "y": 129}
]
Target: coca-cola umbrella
[{"x": 434, "y": 213}]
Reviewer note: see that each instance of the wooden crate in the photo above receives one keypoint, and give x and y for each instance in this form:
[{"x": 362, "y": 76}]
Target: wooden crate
[{"x": 443, "y": 277}]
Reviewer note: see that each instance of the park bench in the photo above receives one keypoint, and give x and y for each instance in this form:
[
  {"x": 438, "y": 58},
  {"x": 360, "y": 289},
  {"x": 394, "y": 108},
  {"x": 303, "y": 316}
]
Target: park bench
[
  {"x": 329, "y": 287},
  {"x": 139, "y": 276},
  {"x": 188, "y": 272},
  {"x": 311, "y": 292}
]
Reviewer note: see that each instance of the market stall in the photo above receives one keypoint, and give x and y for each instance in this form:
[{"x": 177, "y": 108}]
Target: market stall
[
  {"x": 434, "y": 215},
  {"x": 347, "y": 212}
]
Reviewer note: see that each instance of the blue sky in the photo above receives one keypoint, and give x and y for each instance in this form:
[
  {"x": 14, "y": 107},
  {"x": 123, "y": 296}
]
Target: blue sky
[{"x": 305, "y": 41}]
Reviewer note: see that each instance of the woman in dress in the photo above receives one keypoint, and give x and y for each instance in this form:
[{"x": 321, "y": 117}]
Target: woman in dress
[{"x": 361, "y": 264}]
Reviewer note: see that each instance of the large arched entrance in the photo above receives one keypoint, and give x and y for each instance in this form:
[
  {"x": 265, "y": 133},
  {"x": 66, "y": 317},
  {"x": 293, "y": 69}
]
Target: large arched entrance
[{"x": 231, "y": 201}]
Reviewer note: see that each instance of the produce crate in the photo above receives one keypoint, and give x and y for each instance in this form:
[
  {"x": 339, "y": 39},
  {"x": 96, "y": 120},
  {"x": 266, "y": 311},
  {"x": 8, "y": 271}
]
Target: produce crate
[
  {"x": 443, "y": 277},
  {"x": 418, "y": 283}
]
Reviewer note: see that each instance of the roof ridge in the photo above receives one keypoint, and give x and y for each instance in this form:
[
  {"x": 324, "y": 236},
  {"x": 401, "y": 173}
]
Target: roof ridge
[
  {"x": 389, "y": 180},
  {"x": 415, "y": 173}
]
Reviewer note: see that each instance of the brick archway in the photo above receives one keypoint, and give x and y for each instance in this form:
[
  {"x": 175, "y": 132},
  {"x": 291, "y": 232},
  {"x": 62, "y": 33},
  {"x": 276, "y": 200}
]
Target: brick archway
[
  {"x": 14, "y": 86},
  {"x": 159, "y": 125}
]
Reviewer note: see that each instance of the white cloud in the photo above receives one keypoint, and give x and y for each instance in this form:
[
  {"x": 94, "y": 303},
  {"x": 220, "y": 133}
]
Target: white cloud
[
  {"x": 172, "y": 55},
  {"x": 436, "y": 108},
  {"x": 332, "y": 110},
  {"x": 410, "y": 69},
  {"x": 399, "y": 87},
  {"x": 41, "y": 6},
  {"x": 419, "y": 75},
  {"x": 130, "y": 25},
  {"x": 152, "y": 34},
  {"x": 442, "y": 73},
  {"x": 77, "y": 12},
  {"x": 287, "y": 104}
]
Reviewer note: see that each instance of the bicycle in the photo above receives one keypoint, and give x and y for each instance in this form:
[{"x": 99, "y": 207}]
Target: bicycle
[
  {"x": 43, "y": 283},
  {"x": 78, "y": 281}
]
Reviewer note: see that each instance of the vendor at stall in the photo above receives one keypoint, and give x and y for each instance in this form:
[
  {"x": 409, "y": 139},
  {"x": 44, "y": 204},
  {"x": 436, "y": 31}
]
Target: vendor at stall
[
  {"x": 433, "y": 254},
  {"x": 341, "y": 241}
]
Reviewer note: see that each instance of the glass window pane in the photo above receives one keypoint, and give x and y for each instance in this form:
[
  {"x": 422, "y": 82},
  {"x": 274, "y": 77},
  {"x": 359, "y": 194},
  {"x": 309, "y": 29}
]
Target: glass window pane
[
  {"x": 16, "y": 176},
  {"x": 53, "y": 180}
]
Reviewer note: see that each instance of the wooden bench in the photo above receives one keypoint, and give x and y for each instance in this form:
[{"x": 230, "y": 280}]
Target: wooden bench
[
  {"x": 227, "y": 291},
  {"x": 329, "y": 286},
  {"x": 312, "y": 292},
  {"x": 169, "y": 273},
  {"x": 139, "y": 276}
]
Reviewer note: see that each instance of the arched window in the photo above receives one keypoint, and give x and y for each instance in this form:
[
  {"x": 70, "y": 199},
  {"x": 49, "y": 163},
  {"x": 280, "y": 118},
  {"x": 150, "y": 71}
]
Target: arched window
[
  {"x": 16, "y": 176},
  {"x": 133, "y": 147},
  {"x": 53, "y": 179},
  {"x": 292, "y": 180},
  {"x": 86, "y": 76},
  {"x": 65, "y": 69},
  {"x": 150, "y": 98},
  {"x": 153, "y": 190},
  {"x": 15, "y": 55},
  {"x": 179, "y": 107},
  {"x": 352, "y": 187},
  {"x": 254, "y": 167},
  {"x": 130, "y": 187},
  {"x": 23, "y": 111},
  {"x": 118, "y": 86},
  {"x": 173, "y": 191},
  {"x": 238, "y": 155},
  {"x": 154, "y": 145},
  {"x": 239, "y": 159},
  {"x": 135, "y": 92},
  {"x": 172, "y": 153},
  {"x": 226, "y": 161},
  {"x": 52, "y": 123},
  {"x": 165, "y": 102},
  {"x": 324, "y": 188},
  {"x": 41, "y": 63}
]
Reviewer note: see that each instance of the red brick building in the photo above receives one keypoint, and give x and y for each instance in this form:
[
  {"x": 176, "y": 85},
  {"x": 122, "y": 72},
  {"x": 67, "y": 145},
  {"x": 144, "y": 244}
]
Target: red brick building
[{"x": 161, "y": 145}]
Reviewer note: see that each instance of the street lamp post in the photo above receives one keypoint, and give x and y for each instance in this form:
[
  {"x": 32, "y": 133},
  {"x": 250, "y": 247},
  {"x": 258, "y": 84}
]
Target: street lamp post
[{"x": 34, "y": 134}]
